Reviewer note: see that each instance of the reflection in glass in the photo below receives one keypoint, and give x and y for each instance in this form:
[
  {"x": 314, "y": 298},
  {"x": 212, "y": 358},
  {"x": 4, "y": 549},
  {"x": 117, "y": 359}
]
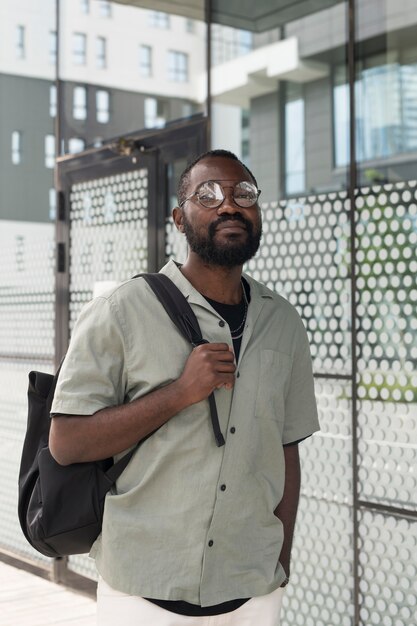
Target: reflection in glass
[{"x": 386, "y": 109}]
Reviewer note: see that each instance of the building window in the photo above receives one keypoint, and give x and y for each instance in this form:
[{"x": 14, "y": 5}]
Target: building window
[
  {"x": 155, "y": 113},
  {"x": 85, "y": 6},
  {"x": 79, "y": 104},
  {"x": 145, "y": 61},
  {"x": 294, "y": 140},
  {"x": 189, "y": 26},
  {"x": 177, "y": 66},
  {"x": 75, "y": 144},
  {"x": 20, "y": 42},
  {"x": 101, "y": 52},
  {"x": 104, "y": 8},
  {"x": 79, "y": 48},
  {"x": 386, "y": 111},
  {"x": 52, "y": 204},
  {"x": 157, "y": 19},
  {"x": 245, "y": 137},
  {"x": 52, "y": 100},
  {"x": 52, "y": 47},
  {"x": 50, "y": 151},
  {"x": 229, "y": 43},
  {"x": 103, "y": 106},
  {"x": 16, "y": 147}
]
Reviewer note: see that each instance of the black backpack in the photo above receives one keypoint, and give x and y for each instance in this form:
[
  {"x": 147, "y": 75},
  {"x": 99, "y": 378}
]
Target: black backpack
[{"x": 61, "y": 507}]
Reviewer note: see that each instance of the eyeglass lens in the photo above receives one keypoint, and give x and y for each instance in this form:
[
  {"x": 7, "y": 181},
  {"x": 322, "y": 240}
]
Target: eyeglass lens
[{"x": 211, "y": 194}]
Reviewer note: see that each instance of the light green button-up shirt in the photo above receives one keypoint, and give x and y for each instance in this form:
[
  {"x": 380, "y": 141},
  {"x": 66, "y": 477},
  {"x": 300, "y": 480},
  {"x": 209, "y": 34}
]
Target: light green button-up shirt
[{"x": 188, "y": 520}]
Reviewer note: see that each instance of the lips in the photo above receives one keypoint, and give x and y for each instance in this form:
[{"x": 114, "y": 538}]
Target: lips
[{"x": 231, "y": 225}]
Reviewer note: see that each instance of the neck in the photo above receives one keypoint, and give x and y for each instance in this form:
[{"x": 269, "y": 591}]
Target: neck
[{"x": 222, "y": 284}]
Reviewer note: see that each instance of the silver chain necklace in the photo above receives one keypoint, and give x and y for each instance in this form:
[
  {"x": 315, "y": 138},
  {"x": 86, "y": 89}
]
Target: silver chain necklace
[{"x": 238, "y": 332}]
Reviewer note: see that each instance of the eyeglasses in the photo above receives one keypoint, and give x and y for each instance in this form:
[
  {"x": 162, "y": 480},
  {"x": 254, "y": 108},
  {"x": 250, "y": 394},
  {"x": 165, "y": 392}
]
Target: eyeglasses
[{"x": 210, "y": 194}]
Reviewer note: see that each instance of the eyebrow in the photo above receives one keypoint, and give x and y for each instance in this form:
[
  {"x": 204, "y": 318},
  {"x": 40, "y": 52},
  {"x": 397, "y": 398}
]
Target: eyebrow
[{"x": 225, "y": 180}]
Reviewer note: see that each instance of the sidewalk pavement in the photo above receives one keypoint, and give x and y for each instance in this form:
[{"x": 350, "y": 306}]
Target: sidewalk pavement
[{"x": 29, "y": 600}]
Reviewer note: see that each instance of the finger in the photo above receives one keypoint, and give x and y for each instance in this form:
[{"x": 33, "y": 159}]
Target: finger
[
  {"x": 224, "y": 367},
  {"x": 213, "y": 347}
]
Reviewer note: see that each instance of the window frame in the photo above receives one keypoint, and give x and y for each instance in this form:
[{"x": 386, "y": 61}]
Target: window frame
[
  {"x": 53, "y": 100},
  {"x": 20, "y": 34},
  {"x": 177, "y": 72},
  {"x": 102, "y": 113},
  {"x": 101, "y": 52},
  {"x": 80, "y": 103},
  {"x": 50, "y": 147},
  {"x": 145, "y": 64},
  {"x": 104, "y": 8},
  {"x": 16, "y": 147},
  {"x": 79, "y": 48}
]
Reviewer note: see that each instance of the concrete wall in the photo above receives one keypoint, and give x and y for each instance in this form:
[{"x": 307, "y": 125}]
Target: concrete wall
[{"x": 264, "y": 144}]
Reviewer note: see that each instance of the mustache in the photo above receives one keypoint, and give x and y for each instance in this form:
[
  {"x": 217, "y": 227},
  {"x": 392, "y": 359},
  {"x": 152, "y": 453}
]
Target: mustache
[{"x": 230, "y": 218}]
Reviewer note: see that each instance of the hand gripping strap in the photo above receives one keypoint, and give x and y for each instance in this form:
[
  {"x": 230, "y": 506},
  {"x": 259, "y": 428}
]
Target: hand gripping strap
[{"x": 181, "y": 313}]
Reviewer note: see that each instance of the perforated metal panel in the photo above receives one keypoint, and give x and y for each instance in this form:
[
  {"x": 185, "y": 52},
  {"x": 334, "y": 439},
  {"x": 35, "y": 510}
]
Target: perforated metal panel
[
  {"x": 175, "y": 243},
  {"x": 388, "y": 570},
  {"x": 387, "y": 346},
  {"x": 109, "y": 230},
  {"x": 305, "y": 257}
]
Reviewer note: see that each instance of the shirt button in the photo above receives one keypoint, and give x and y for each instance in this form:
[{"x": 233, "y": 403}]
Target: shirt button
[
  {"x": 222, "y": 323},
  {"x": 211, "y": 542},
  {"x": 233, "y": 430},
  {"x": 223, "y": 487}
]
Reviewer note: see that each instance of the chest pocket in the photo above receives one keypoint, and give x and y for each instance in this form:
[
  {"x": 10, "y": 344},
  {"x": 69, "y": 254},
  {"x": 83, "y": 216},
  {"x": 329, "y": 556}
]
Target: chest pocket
[{"x": 274, "y": 378}]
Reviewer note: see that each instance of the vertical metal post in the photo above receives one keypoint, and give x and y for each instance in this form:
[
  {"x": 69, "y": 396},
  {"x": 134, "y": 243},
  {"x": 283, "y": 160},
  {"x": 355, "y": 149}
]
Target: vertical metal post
[
  {"x": 59, "y": 566},
  {"x": 352, "y": 191},
  {"x": 208, "y": 18}
]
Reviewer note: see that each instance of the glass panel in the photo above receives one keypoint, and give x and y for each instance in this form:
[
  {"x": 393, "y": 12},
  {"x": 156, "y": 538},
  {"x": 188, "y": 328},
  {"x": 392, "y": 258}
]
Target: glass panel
[
  {"x": 388, "y": 565},
  {"x": 387, "y": 367},
  {"x": 27, "y": 249},
  {"x": 108, "y": 234},
  {"x": 280, "y": 81},
  {"x": 142, "y": 55}
]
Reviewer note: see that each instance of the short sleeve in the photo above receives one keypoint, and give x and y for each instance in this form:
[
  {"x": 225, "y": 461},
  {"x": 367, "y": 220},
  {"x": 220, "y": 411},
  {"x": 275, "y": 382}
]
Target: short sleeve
[
  {"x": 94, "y": 373},
  {"x": 300, "y": 402}
]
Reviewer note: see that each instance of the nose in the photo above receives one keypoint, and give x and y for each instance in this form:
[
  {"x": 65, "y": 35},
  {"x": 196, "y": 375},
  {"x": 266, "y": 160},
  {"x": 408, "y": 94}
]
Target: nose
[{"x": 228, "y": 205}]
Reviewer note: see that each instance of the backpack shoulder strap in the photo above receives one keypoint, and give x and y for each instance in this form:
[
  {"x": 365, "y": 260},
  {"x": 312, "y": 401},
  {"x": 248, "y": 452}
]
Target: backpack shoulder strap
[
  {"x": 177, "y": 306},
  {"x": 181, "y": 313}
]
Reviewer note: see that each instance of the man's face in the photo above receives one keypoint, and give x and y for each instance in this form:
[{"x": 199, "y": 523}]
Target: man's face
[{"x": 229, "y": 235}]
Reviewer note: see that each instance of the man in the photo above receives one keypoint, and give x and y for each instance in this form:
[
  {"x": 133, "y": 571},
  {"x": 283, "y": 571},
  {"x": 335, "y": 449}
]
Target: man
[{"x": 194, "y": 534}]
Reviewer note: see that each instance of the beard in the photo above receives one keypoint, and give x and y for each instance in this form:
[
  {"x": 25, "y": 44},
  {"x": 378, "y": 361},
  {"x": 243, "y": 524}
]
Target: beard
[{"x": 229, "y": 254}]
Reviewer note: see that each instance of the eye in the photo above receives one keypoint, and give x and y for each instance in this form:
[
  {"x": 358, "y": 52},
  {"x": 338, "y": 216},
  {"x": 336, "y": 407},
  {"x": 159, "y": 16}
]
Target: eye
[
  {"x": 210, "y": 192},
  {"x": 246, "y": 191}
]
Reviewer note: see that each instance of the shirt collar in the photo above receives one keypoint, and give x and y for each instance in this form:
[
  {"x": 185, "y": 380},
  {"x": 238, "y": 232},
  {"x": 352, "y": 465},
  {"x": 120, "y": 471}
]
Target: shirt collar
[{"x": 172, "y": 270}]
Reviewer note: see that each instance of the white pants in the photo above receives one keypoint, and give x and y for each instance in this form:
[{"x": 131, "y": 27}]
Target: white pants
[{"x": 114, "y": 608}]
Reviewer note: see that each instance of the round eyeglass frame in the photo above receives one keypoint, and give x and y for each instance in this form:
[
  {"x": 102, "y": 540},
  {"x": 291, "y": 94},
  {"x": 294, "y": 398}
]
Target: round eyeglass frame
[{"x": 223, "y": 195}]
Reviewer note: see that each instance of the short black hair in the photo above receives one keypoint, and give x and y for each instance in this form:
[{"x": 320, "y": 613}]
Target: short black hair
[{"x": 185, "y": 176}]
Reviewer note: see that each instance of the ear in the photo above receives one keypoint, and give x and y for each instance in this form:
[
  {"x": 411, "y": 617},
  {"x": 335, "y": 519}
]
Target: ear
[{"x": 177, "y": 217}]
